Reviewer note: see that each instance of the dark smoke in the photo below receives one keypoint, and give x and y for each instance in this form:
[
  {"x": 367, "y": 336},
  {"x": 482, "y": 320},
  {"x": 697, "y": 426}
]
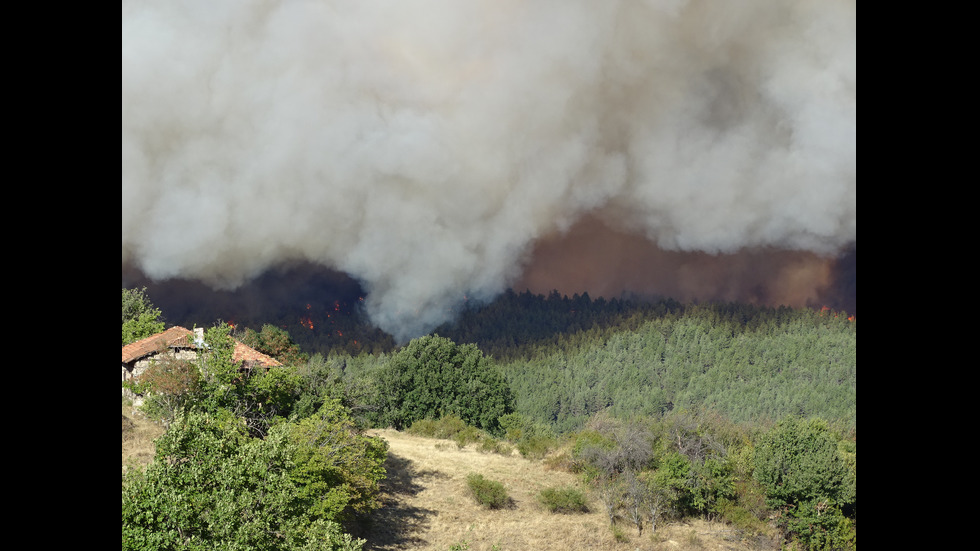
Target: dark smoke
[
  {"x": 279, "y": 296},
  {"x": 593, "y": 258},
  {"x": 439, "y": 149}
]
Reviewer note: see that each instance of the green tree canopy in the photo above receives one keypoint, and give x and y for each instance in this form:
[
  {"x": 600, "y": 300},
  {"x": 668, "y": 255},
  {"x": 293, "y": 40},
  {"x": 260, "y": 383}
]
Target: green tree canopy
[
  {"x": 210, "y": 486},
  {"x": 798, "y": 460},
  {"x": 275, "y": 342},
  {"x": 338, "y": 469},
  {"x": 432, "y": 377},
  {"x": 140, "y": 318},
  {"x": 800, "y": 465}
]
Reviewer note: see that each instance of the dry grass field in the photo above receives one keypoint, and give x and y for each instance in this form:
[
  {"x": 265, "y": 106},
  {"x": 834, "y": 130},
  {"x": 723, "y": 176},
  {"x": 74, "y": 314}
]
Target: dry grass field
[
  {"x": 137, "y": 436},
  {"x": 428, "y": 507}
]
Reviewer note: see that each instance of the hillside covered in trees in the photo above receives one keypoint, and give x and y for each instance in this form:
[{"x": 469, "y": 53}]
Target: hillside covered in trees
[{"x": 664, "y": 410}]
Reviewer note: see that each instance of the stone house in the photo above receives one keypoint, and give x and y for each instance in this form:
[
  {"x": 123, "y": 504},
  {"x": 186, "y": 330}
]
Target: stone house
[{"x": 183, "y": 344}]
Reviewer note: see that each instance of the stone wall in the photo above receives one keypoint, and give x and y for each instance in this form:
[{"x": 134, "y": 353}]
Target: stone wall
[{"x": 141, "y": 365}]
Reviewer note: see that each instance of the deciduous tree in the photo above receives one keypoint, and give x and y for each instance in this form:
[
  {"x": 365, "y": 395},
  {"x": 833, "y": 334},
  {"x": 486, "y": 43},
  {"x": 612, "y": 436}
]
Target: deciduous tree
[
  {"x": 800, "y": 466},
  {"x": 338, "y": 469},
  {"x": 210, "y": 486},
  {"x": 433, "y": 377},
  {"x": 140, "y": 318}
]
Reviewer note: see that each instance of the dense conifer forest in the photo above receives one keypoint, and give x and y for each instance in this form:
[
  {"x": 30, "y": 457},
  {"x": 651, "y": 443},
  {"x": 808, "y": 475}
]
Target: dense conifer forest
[{"x": 567, "y": 358}]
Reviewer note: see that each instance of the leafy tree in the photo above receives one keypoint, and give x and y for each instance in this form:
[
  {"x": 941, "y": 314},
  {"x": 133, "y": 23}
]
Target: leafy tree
[
  {"x": 331, "y": 378},
  {"x": 800, "y": 466},
  {"x": 140, "y": 318},
  {"x": 338, "y": 470},
  {"x": 798, "y": 460},
  {"x": 210, "y": 486},
  {"x": 275, "y": 342},
  {"x": 258, "y": 396},
  {"x": 216, "y": 357},
  {"x": 433, "y": 377},
  {"x": 708, "y": 483},
  {"x": 262, "y": 397}
]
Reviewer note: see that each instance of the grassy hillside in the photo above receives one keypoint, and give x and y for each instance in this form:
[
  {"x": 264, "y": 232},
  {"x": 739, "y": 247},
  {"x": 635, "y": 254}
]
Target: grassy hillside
[{"x": 427, "y": 507}]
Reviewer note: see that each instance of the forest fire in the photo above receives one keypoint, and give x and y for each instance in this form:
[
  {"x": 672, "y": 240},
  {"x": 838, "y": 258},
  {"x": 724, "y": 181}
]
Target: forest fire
[
  {"x": 554, "y": 152},
  {"x": 307, "y": 321},
  {"x": 824, "y": 310}
]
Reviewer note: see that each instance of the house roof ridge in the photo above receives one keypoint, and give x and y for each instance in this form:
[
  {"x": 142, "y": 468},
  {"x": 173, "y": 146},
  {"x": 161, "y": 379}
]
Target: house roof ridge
[{"x": 173, "y": 337}]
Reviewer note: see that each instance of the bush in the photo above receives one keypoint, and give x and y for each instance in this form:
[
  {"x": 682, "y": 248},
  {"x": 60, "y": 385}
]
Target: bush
[
  {"x": 445, "y": 427},
  {"x": 489, "y": 493},
  {"x": 564, "y": 500},
  {"x": 492, "y": 445},
  {"x": 469, "y": 435},
  {"x": 450, "y": 427},
  {"x": 561, "y": 461},
  {"x": 533, "y": 440}
]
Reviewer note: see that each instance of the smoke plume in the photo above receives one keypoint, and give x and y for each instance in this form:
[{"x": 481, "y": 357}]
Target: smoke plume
[{"x": 433, "y": 149}]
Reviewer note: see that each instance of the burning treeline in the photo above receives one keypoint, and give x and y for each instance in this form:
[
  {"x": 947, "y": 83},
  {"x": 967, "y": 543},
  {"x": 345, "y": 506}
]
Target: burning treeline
[{"x": 444, "y": 149}]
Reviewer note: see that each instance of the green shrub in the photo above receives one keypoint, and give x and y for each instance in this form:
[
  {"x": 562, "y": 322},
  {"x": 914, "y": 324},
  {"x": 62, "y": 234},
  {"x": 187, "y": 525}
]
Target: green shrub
[
  {"x": 468, "y": 435},
  {"x": 489, "y": 493},
  {"x": 564, "y": 500},
  {"x": 561, "y": 461},
  {"x": 492, "y": 445},
  {"x": 747, "y": 510},
  {"x": 446, "y": 427},
  {"x": 533, "y": 440},
  {"x": 536, "y": 447},
  {"x": 450, "y": 427},
  {"x": 740, "y": 517}
]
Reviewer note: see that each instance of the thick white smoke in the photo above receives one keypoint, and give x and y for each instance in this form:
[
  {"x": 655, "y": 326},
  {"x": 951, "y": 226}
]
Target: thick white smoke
[{"x": 424, "y": 146}]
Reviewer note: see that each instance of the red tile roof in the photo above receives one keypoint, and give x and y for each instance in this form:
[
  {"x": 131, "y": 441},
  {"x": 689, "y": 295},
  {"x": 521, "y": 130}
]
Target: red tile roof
[
  {"x": 144, "y": 347},
  {"x": 244, "y": 353},
  {"x": 180, "y": 336}
]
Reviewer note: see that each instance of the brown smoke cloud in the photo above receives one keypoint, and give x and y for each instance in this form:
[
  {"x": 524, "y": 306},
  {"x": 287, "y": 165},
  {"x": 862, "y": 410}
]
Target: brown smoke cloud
[
  {"x": 593, "y": 258},
  {"x": 437, "y": 149}
]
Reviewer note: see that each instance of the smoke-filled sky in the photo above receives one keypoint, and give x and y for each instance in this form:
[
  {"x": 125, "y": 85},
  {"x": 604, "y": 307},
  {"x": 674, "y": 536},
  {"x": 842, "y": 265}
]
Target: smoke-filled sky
[{"x": 437, "y": 149}]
